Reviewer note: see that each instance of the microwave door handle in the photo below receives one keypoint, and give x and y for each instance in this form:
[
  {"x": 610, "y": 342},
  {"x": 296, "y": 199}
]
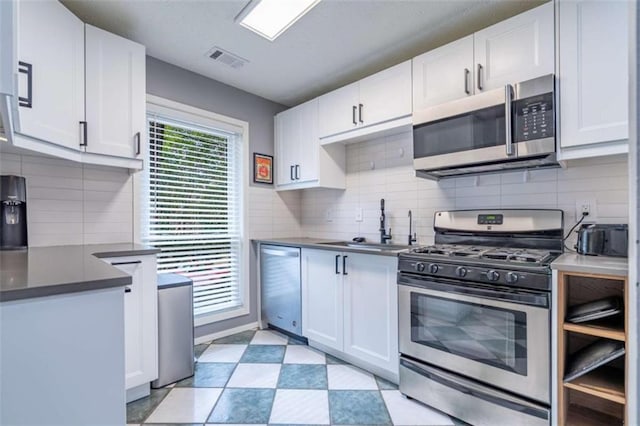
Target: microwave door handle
[{"x": 508, "y": 98}]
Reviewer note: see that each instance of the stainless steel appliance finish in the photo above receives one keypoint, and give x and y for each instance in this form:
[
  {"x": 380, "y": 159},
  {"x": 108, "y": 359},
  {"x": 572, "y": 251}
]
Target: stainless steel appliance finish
[
  {"x": 474, "y": 321},
  {"x": 605, "y": 240},
  {"x": 280, "y": 283},
  {"x": 502, "y": 129},
  {"x": 467, "y": 399},
  {"x": 518, "y": 322},
  {"x": 13, "y": 212},
  {"x": 175, "y": 329}
]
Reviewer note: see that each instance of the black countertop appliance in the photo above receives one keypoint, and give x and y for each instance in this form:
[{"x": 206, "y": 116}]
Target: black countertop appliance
[
  {"x": 604, "y": 240},
  {"x": 13, "y": 212}
]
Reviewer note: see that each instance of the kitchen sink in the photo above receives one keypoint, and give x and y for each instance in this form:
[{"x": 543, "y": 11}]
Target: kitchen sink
[{"x": 367, "y": 246}]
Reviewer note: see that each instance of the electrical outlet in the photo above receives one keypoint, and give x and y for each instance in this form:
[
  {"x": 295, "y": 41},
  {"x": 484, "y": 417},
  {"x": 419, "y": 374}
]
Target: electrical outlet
[
  {"x": 359, "y": 214},
  {"x": 589, "y": 207}
]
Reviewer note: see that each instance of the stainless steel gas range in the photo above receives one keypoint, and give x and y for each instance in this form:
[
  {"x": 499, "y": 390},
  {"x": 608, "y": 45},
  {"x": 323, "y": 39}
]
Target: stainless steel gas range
[{"x": 474, "y": 315}]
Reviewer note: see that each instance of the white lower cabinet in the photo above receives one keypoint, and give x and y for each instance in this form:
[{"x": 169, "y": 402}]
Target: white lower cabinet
[
  {"x": 349, "y": 304},
  {"x": 322, "y": 297},
  {"x": 140, "y": 323},
  {"x": 371, "y": 309}
]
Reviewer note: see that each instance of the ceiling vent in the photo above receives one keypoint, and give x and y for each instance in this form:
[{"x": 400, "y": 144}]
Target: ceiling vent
[{"x": 226, "y": 58}]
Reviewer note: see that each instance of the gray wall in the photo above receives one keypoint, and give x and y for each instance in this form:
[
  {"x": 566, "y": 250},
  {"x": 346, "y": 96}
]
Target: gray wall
[{"x": 177, "y": 84}]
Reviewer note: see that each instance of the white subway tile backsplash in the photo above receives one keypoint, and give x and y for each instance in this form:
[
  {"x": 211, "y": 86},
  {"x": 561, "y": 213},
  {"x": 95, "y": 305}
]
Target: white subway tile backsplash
[
  {"x": 602, "y": 179},
  {"x": 72, "y": 203}
]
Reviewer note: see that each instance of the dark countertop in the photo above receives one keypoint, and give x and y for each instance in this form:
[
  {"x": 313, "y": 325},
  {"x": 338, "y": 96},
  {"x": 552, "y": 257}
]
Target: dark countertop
[
  {"x": 573, "y": 262},
  {"x": 48, "y": 271},
  {"x": 324, "y": 244}
]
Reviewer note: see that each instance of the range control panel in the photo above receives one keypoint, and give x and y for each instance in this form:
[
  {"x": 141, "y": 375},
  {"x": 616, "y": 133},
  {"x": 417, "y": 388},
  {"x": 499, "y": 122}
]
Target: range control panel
[{"x": 490, "y": 219}]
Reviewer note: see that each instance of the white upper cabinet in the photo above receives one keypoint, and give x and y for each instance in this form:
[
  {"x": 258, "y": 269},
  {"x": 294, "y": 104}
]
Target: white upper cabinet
[
  {"x": 376, "y": 100},
  {"x": 385, "y": 95},
  {"x": 286, "y": 145},
  {"x": 115, "y": 98},
  {"x": 443, "y": 74},
  {"x": 593, "y": 72},
  {"x": 300, "y": 160},
  {"x": 512, "y": 51},
  {"x": 515, "y": 50},
  {"x": 339, "y": 110},
  {"x": 8, "y": 46},
  {"x": 72, "y": 92},
  {"x": 51, "y": 73}
]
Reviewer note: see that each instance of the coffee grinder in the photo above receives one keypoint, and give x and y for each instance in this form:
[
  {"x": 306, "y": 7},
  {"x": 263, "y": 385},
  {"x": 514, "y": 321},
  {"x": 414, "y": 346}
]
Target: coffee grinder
[{"x": 13, "y": 212}]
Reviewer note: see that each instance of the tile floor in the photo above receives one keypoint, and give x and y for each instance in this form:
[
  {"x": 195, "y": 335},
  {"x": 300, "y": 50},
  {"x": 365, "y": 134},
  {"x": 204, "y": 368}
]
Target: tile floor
[{"x": 263, "y": 377}]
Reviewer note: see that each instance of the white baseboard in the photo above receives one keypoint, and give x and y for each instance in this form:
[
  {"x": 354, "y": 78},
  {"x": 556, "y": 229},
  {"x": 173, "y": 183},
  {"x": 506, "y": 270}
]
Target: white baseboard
[{"x": 225, "y": 333}]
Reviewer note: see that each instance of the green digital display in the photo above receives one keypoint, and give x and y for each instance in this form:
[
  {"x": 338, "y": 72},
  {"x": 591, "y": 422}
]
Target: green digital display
[{"x": 490, "y": 219}]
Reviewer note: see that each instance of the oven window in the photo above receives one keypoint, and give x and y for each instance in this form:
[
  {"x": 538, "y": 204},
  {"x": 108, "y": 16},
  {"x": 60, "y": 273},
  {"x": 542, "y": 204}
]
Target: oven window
[
  {"x": 477, "y": 129},
  {"x": 486, "y": 334}
]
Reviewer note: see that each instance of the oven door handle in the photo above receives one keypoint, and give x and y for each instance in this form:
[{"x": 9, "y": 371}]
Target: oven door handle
[
  {"x": 469, "y": 388},
  {"x": 521, "y": 298}
]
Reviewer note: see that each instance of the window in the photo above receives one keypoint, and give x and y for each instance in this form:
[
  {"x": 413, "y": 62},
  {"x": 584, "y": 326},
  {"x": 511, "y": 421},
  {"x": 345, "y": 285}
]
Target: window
[{"x": 193, "y": 209}]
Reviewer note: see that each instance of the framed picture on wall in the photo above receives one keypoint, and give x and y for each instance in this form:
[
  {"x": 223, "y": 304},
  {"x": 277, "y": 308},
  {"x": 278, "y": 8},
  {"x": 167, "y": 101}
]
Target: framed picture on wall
[{"x": 262, "y": 168}]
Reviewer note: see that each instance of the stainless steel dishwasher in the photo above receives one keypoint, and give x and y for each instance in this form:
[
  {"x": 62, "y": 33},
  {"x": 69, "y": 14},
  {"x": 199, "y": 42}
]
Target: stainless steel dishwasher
[{"x": 280, "y": 287}]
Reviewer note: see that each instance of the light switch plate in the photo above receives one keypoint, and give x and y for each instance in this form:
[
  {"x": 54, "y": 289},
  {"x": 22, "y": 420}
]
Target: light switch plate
[
  {"x": 328, "y": 215},
  {"x": 359, "y": 214}
]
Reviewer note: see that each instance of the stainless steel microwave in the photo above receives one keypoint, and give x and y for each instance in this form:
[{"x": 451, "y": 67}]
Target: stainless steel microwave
[{"x": 509, "y": 128}]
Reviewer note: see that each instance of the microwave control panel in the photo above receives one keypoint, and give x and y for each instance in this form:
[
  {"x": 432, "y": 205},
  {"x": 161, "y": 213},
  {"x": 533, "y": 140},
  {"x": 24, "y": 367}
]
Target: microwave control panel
[{"x": 534, "y": 118}]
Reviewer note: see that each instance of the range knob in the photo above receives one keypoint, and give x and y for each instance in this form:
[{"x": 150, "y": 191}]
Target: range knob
[
  {"x": 461, "y": 271},
  {"x": 433, "y": 268},
  {"x": 493, "y": 275},
  {"x": 420, "y": 267},
  {"x": 512, "y": 277}
]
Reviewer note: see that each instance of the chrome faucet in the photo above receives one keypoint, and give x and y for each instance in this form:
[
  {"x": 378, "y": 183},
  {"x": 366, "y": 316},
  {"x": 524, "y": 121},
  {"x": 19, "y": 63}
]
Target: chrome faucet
[
  {"x": 412, "y": 239},
  {"x": 384, "y": 237}
]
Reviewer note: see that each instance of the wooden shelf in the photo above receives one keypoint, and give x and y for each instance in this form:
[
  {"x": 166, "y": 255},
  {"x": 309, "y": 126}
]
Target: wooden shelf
[
  {"x": 604, "y": 382},
  {"x": 598, "y": 397},
  {"x": 614, "y": 333},
  {"x": 583, "y": 416}
]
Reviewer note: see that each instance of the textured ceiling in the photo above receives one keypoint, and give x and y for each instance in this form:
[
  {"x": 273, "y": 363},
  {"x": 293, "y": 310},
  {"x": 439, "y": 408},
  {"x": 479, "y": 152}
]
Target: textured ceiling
[{"x": 337, "y": 42}]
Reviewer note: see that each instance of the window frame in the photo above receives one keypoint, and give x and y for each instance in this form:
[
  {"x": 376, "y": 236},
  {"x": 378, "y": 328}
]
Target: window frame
[{"x": 180, "y": 111}]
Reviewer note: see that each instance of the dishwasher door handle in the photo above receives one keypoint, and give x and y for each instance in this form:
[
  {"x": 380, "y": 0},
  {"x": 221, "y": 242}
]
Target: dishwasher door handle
[{"x": 283, "y": 253}]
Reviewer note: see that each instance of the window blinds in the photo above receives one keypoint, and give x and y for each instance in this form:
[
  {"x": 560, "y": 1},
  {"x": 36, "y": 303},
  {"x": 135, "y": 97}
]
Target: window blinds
[{"x": 193, "y": 208}]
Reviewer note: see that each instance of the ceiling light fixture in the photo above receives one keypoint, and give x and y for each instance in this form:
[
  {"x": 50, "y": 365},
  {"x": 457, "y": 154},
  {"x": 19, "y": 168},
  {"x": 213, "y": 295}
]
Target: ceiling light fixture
[{"x": 270, "y": 18}]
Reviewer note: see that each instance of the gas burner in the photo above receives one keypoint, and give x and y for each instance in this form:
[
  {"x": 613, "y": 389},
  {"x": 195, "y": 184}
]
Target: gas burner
[
  {"x": 518, "y": 255},
  {"x": 488, "y": 254}
]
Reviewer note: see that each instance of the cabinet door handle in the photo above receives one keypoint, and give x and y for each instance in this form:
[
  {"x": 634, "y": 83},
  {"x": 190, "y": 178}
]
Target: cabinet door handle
[
  {"x": 132, "y": 262},
  {"x": 83, "y": 124},
  {"x": 136, "y": 139},
  {"x": 466, "y": 81},
  {"x": 344, "y": 265},
  {"x": 297, "y": 171},
  {"x": 480, "y": 77},
  {"x": 353, "y": 115},
  {"x": 291, "y": 172},
  {"x": 337, "y": 270},
  {"x": 360, "y": 106},
  {"x": 127, "y": 289},
  {"x": 26, "y": 68}
]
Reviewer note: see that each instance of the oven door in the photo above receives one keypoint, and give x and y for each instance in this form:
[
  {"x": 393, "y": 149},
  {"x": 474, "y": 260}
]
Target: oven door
[
  {"x": 497, "y": 337},
  {"x": 462, "y": 132}
]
